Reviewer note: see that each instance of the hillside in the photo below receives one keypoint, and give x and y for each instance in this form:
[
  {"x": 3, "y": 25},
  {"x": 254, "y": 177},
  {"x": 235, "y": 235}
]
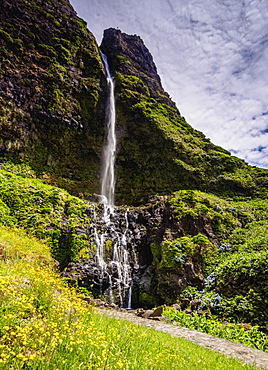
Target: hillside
[
  {"x": 45, "y": 325},
  {"x": 159, "y": 152},
  {"x": 195, "y": 224},
  {"x": 178, "y": 241},
  {"x": 52, "y": 104},
  {"x": 52, "y": 93}
]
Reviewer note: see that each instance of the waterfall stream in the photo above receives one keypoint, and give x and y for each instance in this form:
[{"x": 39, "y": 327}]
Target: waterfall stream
[
  {"x": 111, "y": 232},
  {"x": 108, "y": 176}
]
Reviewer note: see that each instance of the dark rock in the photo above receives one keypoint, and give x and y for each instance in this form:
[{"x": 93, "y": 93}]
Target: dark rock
[
  {"x": 194, "y": 304},
  {"x": 133, "y": 49},
  {"x": 157, "y": 312},
  {"x": 147, "y": 314},
  {"x": 189, "y": 312},
  {"x": 204, "y": 312},
  {"x": 88, "y": 300},
  {"x": 185, "y": 302},
  {"x": 140, "y": 312}
]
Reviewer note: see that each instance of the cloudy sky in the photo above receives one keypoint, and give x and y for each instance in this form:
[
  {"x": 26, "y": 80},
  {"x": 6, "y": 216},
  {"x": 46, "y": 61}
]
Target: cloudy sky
[{"x": 212, "y": 57}]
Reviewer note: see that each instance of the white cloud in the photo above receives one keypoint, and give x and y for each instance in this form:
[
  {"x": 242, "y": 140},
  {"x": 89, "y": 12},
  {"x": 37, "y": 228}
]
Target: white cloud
[{"x": 212, "y": 57}]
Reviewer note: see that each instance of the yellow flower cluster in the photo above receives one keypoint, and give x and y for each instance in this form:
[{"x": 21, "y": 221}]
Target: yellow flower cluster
[{"x": 46, "y": 325}]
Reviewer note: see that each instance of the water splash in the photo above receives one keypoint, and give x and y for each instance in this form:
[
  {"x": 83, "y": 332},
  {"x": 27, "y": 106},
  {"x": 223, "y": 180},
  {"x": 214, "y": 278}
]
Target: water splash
[
  {"x": 114, "y": 262},
  {"x": 112, "y": 239}
]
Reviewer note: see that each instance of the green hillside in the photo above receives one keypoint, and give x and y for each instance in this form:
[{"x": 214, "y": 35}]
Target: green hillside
[
  {"x": 197, "y": 214},
  {"x": 45, "y": 325}
]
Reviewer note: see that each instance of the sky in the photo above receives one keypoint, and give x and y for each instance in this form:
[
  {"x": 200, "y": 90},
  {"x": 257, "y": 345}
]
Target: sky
[{"x": 212, "y": 58}]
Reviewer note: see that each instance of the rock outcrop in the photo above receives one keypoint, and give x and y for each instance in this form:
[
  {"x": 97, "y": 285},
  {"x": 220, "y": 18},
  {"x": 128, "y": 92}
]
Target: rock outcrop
[
  {"x": 128, "y": 55},
  {"x": 52, "y": 93},
  {"x": 158, "y": 151},
  {"x": 157, "y": 276}
]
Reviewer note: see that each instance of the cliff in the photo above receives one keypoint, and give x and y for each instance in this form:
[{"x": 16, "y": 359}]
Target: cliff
[
  {"x": 52, "y": 93},
  {"x": 52, "y": 108},
  {"x": 52, "y": 113},
  {"x": 158, "y": 151}
]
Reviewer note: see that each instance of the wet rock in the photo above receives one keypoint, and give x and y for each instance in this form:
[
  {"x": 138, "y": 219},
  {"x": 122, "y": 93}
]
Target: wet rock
[
  {"x": 185, "y": 302},
  {"x": 194, "y": 304},
  {"x": 177, "y": 306}
]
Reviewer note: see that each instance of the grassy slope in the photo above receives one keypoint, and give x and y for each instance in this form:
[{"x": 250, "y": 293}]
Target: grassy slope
[
  {"x": 62, "y": 221},
  {"x": 45, "y": 325},
  {"x": 47, "y": 212}
]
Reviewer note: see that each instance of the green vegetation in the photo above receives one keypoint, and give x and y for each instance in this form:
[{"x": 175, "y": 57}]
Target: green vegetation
[
  {"x": 45, "y": 325},
  {"x": 225, "y": 246},
  {"x": 251, "y": 336},
  {"x": 242, "y": 277},
  {"x": 55, "y": 67},
  {"x": 52, "y": 106},
  {"x": 46, "y": 212},
  {"x": 154, "y": 132},
  {"x": 196, "y": 248}
]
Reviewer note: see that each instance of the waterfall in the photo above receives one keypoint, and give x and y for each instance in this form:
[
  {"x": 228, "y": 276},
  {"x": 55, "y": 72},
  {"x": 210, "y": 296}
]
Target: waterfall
[
  {"x": 113, "y": 241},
  {"x": 108, "y": 176},
  {"x": 113, "y": 262}
]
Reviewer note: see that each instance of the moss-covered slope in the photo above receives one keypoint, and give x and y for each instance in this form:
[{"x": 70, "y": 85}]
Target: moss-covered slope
[
  {"x": 52, "y": 108},
  {"x": 159, "y": 152},
  {"x": 51, "y": 98}
]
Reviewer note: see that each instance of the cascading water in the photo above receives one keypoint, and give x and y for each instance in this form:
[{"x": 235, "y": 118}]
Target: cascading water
[
  {"x": 108, "y": 177},
  {"x": 113, "y": 261}
]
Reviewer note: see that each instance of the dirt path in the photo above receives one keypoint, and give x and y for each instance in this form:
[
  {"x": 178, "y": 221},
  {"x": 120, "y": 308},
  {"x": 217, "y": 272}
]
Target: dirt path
[{"x": 243, "y": 353}]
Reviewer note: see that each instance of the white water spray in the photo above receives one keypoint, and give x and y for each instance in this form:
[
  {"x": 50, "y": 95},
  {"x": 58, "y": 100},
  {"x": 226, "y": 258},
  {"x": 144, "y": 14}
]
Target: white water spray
[
  {"x": 108, "y": 176},
  {"x": 117, "y": 266}
]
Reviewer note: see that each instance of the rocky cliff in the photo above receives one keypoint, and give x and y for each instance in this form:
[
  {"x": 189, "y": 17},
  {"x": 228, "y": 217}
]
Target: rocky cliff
[
  {"x": 158, "y": 151},
  {"x": 52, "y": 108},
  {"x": 52, "y": 93}
]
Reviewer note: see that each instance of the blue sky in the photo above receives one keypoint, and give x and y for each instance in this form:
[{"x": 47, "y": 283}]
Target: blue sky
[{"x": 212, "y": 57}]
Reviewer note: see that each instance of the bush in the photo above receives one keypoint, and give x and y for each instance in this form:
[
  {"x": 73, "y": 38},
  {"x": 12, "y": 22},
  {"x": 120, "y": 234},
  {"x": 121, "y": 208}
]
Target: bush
[{"x": 251, "y": 337}]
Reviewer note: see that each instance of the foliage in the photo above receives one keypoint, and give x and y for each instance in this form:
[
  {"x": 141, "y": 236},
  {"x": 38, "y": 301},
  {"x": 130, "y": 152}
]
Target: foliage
[
  {"x": 55, "y": 67},
  {"x": 154, "y": 134},
  {"x": 253, "y": 237},
  {"x": 47, "y": 212},
  {"x": 193, "y": 204},
  {"x": 251, "y": 337},
  {"x": 45, "y": 325},
  {"x": 242, "y": 277},
  {"x": 197, "y": 248},
  {"x": 243, "y": 268}
]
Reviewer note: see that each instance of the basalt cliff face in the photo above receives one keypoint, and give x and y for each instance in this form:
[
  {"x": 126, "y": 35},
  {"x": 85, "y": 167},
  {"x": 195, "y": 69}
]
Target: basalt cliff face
[
  {"x": 52, "y": 119},
  {"x": 158, "y": 151},
  {"x": 52, "y": 108},
  {"x": 52, "y": 93}
]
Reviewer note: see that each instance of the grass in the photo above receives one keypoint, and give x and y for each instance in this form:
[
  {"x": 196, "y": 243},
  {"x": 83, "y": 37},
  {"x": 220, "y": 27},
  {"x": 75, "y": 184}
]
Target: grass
[{"x": 46, "y": 325}]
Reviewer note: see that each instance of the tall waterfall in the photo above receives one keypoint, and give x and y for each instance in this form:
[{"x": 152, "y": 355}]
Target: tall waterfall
[
  {"x": 111, "y": 233},
  {"x": 108, "y": 176}
]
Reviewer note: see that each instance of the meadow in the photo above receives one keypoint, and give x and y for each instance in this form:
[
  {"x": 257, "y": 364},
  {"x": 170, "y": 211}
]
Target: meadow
[{"x": 45, "y": 325}]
